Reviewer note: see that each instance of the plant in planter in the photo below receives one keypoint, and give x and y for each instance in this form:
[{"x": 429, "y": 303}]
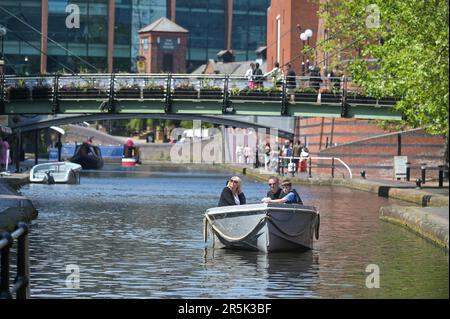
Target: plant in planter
[
  {"x": 360, "y": 98},
  {"x": 185, "y": 91},
  {"x": 42, "y": 91},
  {"x": 306, "y": 94},
  {"x": 18, "y": 92},
  {"x": 128, "y": 91},
  {"x": 154, "y": 91},
  {"x": 208, "y": 91},
  {"x": 83, "y": 90},
  {"x": 333, "y": 96}
]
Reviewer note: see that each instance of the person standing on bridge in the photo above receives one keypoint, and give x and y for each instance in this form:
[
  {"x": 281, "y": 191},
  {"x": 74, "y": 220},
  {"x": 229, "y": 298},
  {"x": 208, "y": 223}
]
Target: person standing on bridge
[
  {"x": 275, "y": 74},
  {"x": 258, "y": 76},
  {"x": 250, "y": 76}
]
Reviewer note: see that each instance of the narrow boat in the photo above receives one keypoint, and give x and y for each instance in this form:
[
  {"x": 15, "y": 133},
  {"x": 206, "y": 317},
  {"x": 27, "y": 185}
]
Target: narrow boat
[
  {"x": 263, "y": 227},
  {"x": 88, "y": 156},
  {"x": 60, "y": 172}
]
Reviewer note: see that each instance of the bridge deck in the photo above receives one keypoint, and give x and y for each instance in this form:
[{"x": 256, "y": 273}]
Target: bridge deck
[{"x": 193, "y": 95}]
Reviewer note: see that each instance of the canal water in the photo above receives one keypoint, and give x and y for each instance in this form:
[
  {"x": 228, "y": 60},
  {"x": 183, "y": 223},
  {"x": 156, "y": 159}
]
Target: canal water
[{"x": 137, "y": 233}]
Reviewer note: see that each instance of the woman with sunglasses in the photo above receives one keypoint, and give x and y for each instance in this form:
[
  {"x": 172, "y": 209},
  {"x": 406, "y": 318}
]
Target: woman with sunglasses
[{"x": 232, "y": 194}]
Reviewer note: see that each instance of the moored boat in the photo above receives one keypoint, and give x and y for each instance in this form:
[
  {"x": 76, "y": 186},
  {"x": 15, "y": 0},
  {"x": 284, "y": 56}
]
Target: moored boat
[
  {"x": 88, "y": 156},
  {"x": 59, "y": 172},
  {"x": 263, "y": 227}
]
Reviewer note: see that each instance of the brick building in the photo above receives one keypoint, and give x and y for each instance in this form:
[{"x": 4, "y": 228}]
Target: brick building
[
  {"x": 163, "y": 44},
  {"x": 286, "y": 20},
  {"x": 360, "y": 143}
]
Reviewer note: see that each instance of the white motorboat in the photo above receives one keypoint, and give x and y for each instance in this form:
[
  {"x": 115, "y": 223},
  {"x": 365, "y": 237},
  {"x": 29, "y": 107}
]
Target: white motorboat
[
  {"x": 59, "y": 172},
  {"x": 263, "y": 227}
]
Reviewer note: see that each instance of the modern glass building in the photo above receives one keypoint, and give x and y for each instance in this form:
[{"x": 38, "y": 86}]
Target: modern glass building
[
  {"x": 215, "y": 25},
  {"x": 38, "y": 38}
]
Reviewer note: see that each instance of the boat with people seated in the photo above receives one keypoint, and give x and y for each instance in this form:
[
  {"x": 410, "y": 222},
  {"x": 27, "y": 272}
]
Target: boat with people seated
[
  {"x": 264, "y": 227},
  {"x": 59, "y": 172},
  {"x": 88, "y": 156}
]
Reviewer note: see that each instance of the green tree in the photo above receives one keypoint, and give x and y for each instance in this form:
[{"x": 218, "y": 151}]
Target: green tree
[{"x": 395, "y": 48}]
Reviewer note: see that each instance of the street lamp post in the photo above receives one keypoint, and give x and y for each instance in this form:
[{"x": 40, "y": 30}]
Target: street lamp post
[{"x": 304, "y": 37}]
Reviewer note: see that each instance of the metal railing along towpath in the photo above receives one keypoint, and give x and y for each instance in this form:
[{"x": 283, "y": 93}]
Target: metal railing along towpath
[{"x": 21, "y": 287}]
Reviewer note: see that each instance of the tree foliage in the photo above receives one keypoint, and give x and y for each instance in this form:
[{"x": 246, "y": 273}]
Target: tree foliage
[{"x": 396, "y": 48}]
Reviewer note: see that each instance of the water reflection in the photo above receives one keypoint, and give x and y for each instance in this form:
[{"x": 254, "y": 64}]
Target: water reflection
[
  {"x": 138, "y": 234},
  {"x": 290, "y": 275}
]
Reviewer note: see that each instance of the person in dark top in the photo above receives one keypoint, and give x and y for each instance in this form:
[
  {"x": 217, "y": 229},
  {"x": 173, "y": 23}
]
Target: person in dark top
[
  {"x": 291, "y": 83},
  {"x": 258, "y": 76},
  {"x": 232, "y": 194},
  {"x": 289, "y": 195},
  {"x": 275, "y": 190}
]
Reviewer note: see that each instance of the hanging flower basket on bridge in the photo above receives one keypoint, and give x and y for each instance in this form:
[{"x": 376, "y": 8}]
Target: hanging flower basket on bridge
[
  {"x": 330, "y": 97},
  {"x": 185, "y": 91},
  {"x": 81, "y": 91},
  {"x": 17, "y": 93},
  {"x": 306, "y": 95},
  {"x": 358, "y": 98},
  {"x": 258, "y": 94},
  {"x": 154, "y": 91},
  {"x": 42, "y": 93},
  {"x": 211, "y": 93},
  {"x": 128, "y": 92}
]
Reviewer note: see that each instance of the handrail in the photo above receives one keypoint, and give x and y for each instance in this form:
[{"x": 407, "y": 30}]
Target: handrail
[
  {"x": 21, "y": 285},
  {"x": 301, "y": 158},
  {"x": 228, "y": 89}
]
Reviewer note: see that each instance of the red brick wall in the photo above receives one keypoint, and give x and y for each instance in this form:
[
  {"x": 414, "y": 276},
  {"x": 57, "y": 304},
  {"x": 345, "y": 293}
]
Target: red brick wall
[
  {"x": 376, "y": 155},
  {"x": 342, "y": 131},
  {"x": 291, "y": 12}
]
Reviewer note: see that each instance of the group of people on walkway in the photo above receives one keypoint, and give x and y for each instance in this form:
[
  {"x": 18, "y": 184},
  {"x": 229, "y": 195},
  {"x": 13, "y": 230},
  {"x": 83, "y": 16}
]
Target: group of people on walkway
[
  {"x": 256, "y": 77},
  {"x": 282, "y": 193}
]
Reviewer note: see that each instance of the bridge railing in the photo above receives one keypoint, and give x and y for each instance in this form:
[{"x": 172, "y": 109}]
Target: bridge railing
[
  {"x": 170, "y": 87},
  {"x": 21, "y": 287}
]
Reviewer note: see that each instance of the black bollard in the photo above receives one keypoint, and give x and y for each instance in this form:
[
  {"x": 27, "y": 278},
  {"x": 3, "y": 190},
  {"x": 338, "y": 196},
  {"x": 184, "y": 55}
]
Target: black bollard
[
  {"x": 441, "y": 176},
  {"x": 408, "y": 171},
  {"x": 418, "y": 183},
  {"x": 423, "y": 167}
]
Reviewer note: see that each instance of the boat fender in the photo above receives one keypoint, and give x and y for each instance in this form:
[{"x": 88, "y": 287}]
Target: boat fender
[{"x": 317, "y": 226}]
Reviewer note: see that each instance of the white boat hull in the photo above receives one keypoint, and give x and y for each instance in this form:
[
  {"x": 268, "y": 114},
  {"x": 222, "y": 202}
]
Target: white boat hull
[
  {"x": 59, "y": 172},
  {"x": 263, "y": 227}
]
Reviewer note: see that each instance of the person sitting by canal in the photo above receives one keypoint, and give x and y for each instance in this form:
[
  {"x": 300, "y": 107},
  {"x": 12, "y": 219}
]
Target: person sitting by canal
[
  {"x": 275, "y": 191},
  {"x": 290, "y": 195},
  {"x": 232, "y": 194}
]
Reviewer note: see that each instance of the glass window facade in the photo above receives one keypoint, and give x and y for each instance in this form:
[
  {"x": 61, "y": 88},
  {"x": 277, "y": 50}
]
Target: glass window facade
[
  {"x": 249, "y": 27},
  {"x": 205, "y": 20},
  {"x": 21, "y": 44}
]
